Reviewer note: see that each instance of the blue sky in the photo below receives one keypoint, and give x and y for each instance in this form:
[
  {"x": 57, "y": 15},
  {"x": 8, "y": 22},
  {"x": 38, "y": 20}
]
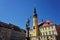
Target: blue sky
[{"x": 17, "y": 11}]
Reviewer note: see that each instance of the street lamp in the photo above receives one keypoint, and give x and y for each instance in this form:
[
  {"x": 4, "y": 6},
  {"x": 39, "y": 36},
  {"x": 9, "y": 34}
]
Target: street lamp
[{"x": 27, "y": 29}]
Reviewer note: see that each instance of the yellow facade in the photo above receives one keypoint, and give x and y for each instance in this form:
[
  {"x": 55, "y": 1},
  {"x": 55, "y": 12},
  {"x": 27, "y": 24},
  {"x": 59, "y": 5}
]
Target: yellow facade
[
  {"x": 35, "y": 24},
  {"x": 47, "y": 30},
  {"x": 47, "y": 33}
]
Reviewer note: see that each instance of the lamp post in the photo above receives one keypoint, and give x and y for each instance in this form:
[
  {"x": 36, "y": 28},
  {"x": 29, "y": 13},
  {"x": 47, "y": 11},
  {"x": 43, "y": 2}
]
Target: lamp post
[{"x": 27, "y": 29}]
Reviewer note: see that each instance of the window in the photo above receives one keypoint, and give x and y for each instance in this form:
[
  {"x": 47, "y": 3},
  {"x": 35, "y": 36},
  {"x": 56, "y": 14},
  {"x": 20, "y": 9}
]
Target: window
[
  {"x": 49, "y": 27},
  {"x": 54, "y": 28},
  {"x": 47, "y": 37},
  {"x": 54, "y": 32},
  {"x": 41, "y": 29},
  {"x": 49, "y": 33},
  {"x": 43, "y": 33},
  {"x": 46, "y": 33},
  {"x": 44, "y": 28},
  {"x": 30, "y": 35}
]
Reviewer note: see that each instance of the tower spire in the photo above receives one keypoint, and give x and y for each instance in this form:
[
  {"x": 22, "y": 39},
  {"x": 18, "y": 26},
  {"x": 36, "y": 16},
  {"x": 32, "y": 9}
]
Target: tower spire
[
  {"x": 35, "y": 22},
  {"x": 35, "y": 10},
  {"x": 35, "y": 13}
]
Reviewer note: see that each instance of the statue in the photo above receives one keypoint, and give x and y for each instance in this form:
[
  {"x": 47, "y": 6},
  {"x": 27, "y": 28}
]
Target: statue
[{"x": 27, "y": 29}]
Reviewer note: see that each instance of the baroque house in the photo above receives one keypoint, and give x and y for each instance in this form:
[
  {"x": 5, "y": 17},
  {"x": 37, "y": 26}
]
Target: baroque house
[{"x": 49, "y": 31}]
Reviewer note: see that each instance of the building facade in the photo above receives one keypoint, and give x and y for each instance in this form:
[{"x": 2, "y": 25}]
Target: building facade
[
  {"x": 11, "y": 32},
  {"x": 48, "y": 31},
  {"x": 45, "y": 30}
]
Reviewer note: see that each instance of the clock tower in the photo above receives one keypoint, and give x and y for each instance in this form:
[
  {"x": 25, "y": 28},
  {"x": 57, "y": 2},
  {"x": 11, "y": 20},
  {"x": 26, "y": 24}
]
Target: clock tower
[{"x": 35, "y": 23}]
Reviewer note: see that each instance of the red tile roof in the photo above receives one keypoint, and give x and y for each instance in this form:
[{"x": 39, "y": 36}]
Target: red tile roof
[
  {"x": 45, "y": 23},
  {"x": 10, "y": 26}
]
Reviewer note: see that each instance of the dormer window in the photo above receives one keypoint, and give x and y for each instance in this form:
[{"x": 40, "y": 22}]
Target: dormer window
[{"x": 48, "y": 23}]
